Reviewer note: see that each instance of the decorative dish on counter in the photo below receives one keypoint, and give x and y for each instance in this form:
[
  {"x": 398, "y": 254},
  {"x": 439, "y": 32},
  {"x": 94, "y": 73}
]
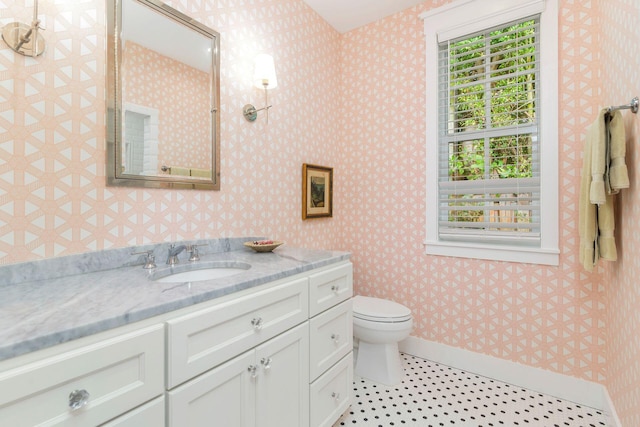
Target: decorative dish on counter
[{"x": 263, "y": 245}]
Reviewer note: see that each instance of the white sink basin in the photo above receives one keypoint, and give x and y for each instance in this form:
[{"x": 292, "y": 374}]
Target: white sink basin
[{"x": 199, "y": 272}]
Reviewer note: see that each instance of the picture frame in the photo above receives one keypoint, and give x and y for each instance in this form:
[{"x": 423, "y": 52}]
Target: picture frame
[{"x": 317, "y": 191}]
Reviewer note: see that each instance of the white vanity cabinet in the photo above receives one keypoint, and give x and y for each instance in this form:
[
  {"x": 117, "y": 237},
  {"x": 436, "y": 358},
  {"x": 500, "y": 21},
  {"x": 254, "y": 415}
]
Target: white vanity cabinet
[
  {"x": 331, "y": 344},
  {"x": 240, "y": 362},
  {"x": 85, "y": 386},
  {"x": 263, "y": 387},
  {"x": 275, "y": 355}
]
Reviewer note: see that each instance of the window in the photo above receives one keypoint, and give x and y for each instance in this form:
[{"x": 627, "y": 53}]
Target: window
[{"x": 492, "y": 130}]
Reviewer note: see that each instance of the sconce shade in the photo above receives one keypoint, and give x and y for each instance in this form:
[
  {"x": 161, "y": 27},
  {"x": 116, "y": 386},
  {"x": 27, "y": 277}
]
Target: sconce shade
[{"x": 264, "y": 72}]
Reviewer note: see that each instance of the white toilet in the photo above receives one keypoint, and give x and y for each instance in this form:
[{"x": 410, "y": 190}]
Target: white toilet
[{"x": 378, "y": 326}]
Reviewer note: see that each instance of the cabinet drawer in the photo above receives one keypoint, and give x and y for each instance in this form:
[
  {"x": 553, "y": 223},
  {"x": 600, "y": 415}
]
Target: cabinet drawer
[
  {"x": 330, "y": 287},
  {"x": 150, "y": 414},
  {"x": 201, "y": 340},
  {"x": 331, "y": 393},
  {"x": 331, "y": 335},
  {"x": 119, "y": 374}
]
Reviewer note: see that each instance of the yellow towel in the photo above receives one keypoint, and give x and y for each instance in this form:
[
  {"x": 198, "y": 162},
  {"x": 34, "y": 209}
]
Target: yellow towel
[
  {"x": 618, "y": 176},
  {"x": 598, "y": 134},
  {"x": 596, "y": 223},
  {"x": 176, "y": 170},
  {"x": 587, "y": 226},
  {"x": 606, "y": 225},
  {"x": 201, "y": 173}
]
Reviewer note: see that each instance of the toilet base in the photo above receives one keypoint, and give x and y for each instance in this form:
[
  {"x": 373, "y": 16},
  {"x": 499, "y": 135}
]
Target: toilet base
[{"x": 379, "y": 362}]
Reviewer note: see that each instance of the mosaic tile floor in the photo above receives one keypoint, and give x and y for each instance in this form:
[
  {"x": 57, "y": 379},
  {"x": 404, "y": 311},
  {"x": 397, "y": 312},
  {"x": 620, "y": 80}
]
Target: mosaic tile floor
[{"x": 433, "y": 395}]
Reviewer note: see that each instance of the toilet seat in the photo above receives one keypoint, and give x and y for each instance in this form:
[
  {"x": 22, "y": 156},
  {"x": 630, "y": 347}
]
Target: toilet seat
[{"x": 380, "y": 310}]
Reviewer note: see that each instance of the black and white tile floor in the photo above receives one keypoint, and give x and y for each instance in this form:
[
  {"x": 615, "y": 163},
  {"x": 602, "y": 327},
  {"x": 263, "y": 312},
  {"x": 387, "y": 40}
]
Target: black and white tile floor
[{"x": 436, "y": 395}]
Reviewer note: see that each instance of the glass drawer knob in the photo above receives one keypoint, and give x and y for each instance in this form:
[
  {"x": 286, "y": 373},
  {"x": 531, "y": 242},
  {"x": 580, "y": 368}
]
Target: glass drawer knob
[
  {"x": 253, "y": 371},
  {"x": 256, "y": 322},
  {"x": 78, "y": 399},
  {"x": 266, "y": 363}
]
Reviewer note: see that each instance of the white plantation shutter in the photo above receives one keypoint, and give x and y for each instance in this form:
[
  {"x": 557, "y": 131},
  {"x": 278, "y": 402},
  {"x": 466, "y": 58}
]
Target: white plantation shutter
[{"x": 488, "y": 136}]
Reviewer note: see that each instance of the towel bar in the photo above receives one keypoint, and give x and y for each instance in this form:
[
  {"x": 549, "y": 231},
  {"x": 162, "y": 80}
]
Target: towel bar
[{"x": 633, "y": 106}]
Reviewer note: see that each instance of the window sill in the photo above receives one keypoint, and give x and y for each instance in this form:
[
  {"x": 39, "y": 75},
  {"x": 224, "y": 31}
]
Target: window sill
[{"x": 493, "y": 252}]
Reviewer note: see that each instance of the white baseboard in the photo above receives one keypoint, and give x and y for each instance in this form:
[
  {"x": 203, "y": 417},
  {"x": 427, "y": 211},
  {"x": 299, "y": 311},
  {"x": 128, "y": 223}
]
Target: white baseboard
[
  {"x": 583, "y": 392},
  {"x": 610, "y": 410}
]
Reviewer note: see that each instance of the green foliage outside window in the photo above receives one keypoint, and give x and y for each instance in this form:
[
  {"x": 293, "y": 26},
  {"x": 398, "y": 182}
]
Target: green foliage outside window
[
  {"x": 491, "y": 86},
  {"x": 501, "y": 75}
]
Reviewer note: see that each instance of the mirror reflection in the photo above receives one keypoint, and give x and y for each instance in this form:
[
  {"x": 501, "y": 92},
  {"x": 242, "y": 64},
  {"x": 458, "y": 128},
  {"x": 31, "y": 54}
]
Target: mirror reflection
[{"x": 163, "y": 126}]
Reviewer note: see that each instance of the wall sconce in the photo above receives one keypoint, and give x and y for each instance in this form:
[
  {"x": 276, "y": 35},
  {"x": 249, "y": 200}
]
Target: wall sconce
[
  {"x": 25, "y": 39},
  {"x": 264, "y": 77}
]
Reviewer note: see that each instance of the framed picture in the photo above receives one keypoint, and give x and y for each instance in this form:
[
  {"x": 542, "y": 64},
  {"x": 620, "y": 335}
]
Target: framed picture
[{"x": 317, "y": 191}]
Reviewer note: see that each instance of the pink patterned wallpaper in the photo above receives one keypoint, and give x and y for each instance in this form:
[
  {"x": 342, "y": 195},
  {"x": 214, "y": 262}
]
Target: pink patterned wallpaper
[
  {"x": 354, "y": 102},
  {"x": 53, "y": 198},
  {"x": 557, "y": 318},
  {"x": 549, "y": 317}
]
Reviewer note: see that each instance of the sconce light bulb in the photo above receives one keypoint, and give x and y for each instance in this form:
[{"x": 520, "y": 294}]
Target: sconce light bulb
[
  {"x": 264, "y": 77},
  {"x": 264, "y": 71}
]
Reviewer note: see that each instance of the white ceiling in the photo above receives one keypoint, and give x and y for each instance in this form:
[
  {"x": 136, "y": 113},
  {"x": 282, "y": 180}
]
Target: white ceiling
[
  {"x": 345, "y": 15},
  {"x": 153, "y": 30}
]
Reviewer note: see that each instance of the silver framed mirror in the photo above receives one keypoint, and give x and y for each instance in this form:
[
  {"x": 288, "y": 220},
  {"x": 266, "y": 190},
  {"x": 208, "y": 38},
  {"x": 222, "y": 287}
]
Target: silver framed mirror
[{"x": 163, "y": 97}]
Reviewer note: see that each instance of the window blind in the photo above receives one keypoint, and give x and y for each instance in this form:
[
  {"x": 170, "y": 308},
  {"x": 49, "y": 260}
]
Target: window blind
[{"x": 488, "y": 160}]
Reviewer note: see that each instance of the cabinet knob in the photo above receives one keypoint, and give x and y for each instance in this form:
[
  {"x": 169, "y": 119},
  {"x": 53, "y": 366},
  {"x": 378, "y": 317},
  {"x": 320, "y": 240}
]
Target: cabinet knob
[
  {"x": 335, "y": 288},
  {"x": 78, "y": 398},
  {"x": 335, "y": 395},
  {"x": 335, "y": 338},
  {"x": 253, "y": 370},
  {"x": 256, "y": 322},
  {"x": 266, "y": 363}
]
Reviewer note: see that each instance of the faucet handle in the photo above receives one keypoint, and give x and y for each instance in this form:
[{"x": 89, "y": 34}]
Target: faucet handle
[
  {"x": 150, "y": 260},
  {"x": 193, "y": 250}
]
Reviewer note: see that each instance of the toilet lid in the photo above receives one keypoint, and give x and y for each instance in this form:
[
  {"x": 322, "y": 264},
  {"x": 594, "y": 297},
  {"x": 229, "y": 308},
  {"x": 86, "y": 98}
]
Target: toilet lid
[{"x": 379, "y": 310}]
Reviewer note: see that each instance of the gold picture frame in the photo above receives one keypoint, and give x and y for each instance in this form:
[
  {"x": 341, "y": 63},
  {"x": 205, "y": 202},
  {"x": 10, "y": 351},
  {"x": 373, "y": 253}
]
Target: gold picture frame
[{"x": 317, "y": 191}]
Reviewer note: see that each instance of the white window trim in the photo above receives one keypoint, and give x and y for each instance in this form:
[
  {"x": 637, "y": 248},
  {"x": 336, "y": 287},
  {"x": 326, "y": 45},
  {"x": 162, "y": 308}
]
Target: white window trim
[{"x": 463, "y": 17}]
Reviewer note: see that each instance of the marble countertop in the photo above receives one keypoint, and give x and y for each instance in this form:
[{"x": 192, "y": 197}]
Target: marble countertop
[{"x": 35, "y": 314}]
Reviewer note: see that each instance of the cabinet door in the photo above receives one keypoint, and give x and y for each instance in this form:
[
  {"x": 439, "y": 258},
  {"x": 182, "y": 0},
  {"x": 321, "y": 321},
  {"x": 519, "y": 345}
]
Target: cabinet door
[
  {"x": 224, "y": 396},
  {"x": 331, "y": 335},
  {"x": 282, "y": 385}
]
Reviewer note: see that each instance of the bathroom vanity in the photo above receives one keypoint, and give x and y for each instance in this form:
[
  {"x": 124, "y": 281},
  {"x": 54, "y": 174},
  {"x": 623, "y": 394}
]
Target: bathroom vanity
[{"x": 269, "y": 346}]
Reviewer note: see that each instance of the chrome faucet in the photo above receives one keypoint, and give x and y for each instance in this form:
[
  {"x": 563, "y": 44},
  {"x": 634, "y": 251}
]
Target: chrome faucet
[{"x": 172, "y": 259}]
